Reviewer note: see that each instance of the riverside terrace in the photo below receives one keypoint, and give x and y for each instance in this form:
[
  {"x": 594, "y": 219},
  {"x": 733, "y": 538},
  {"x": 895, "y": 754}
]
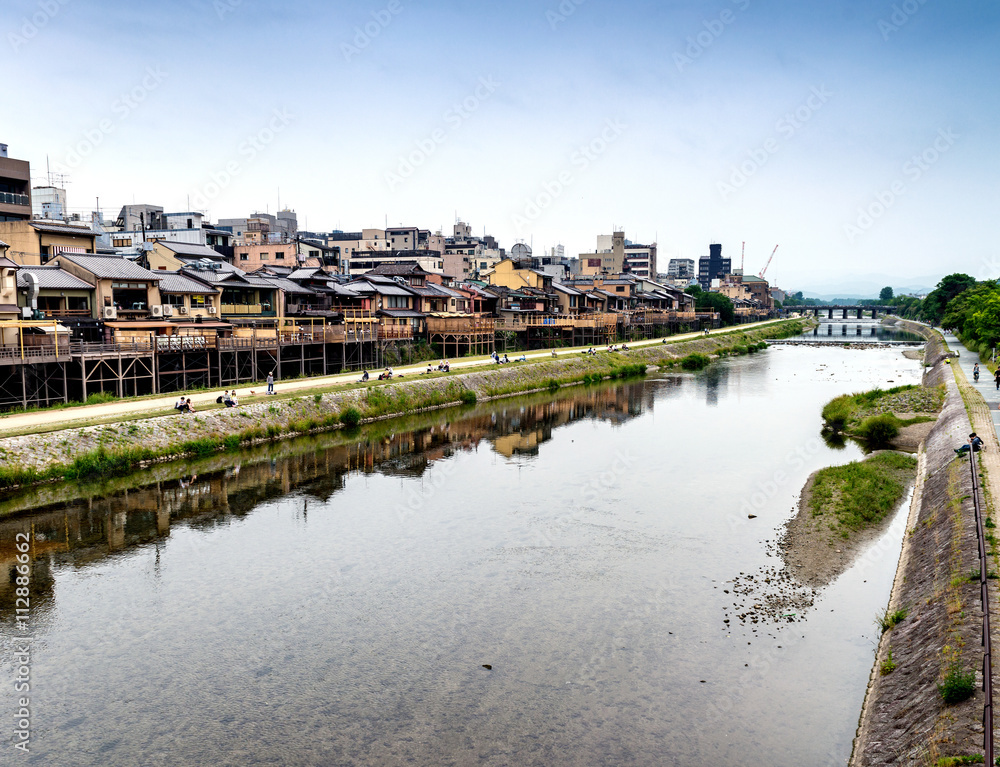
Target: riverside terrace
[{"x": 40, "y": 365}]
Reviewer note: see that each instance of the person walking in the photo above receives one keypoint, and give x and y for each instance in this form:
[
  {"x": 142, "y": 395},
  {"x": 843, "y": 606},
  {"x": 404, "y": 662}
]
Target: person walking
[
  {"x": 270, "y": 382},
  {"x": 996, "y": 377},
  {"x": 975, "y": 373}
]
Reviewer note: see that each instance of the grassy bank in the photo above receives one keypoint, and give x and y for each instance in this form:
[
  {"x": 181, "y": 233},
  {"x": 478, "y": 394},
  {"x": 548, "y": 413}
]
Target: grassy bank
[
  {"x": 114, "y": 450},
  {"x": 872, "y": 415},
  {"x": 860, "y": 494}
]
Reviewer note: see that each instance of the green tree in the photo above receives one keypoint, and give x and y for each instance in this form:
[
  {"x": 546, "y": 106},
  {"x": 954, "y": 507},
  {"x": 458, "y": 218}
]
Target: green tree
[
  {"x": 885, "y": 294},
  {"x": 693, "y": 290},
  {"x": 937, "y": 300},
  {"x": 717, "y": 302}
]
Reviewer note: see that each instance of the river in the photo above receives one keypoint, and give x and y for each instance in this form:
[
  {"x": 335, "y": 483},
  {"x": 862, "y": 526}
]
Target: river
[{"x": 534, "y": 581}]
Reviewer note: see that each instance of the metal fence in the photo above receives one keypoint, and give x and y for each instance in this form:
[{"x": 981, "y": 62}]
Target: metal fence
[{"x": 985, "y": 595}]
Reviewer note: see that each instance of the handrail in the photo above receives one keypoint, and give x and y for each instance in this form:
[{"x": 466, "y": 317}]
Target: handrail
[{"x": 985, "y": 596}]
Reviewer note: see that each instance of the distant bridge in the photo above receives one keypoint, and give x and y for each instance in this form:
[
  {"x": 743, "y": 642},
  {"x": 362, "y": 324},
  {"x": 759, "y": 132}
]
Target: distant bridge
[{"x": 845, "y": 311}]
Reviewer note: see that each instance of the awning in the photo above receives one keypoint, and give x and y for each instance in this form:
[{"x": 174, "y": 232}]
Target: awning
[{"x": 141, "y": 325}]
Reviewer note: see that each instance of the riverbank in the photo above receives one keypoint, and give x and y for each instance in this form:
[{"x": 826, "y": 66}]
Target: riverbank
[
  {"x": 904, "y": 719},
  {"x": 842, "y": 509},
  {"x": 116, "y": 449}
]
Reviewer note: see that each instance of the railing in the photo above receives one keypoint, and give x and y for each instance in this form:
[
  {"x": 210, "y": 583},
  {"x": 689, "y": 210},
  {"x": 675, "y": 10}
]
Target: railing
[
  {"x": 255, "y": 309},
  {"x": 183, "y": 343},
  {"x": 10, "y": 198},
  {"x": 122, "y": 347},
  {"x": 395, "y": 332},
  {"x": 476, "y": 323},
  {"x": 133, "y": 314},
  {"x": 32, "y": 352},
  {"x": 984, "y": 593},
  {"x": 50, "y": 313}
]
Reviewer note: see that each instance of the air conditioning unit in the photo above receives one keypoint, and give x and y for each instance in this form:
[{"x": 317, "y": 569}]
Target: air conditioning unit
[
  {"x": 110, "y": 313},
  {"x": 182, "y": 310},
  {"x": 156, "y": 310},
  {"x": 168, "y": 310},
  {"x": 212, "y": 310}
]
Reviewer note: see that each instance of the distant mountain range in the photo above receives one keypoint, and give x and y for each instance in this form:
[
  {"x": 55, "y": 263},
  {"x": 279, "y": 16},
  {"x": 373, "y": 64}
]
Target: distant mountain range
[{"x": 863, "y": 286}]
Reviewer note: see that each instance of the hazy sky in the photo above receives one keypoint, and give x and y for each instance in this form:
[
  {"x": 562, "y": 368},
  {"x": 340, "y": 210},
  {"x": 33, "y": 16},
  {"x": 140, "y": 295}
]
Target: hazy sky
[{"x": 861, "y": 136}]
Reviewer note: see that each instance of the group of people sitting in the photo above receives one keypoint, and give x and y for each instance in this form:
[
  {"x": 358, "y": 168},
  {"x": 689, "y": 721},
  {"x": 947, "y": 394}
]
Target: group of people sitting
[
  {"x": 184, "y": 405},
  {"x": 497, "y": 360},
  {"x": 443, "y": 367},
  {"x": 229, "y": 398}
]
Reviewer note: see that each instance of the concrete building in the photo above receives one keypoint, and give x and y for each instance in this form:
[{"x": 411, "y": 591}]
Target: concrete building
[
  {"x": 49, "y": 202},
  {"x": 32, "y": 243},
  {"x": 681, "y": 269},
  {"x": 15, "y": 188},
  {"x": 713, "y": 266}
]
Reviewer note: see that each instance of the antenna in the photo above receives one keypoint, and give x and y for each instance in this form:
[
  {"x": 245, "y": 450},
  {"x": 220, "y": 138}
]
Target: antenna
[{"x": 742, "y": 252}]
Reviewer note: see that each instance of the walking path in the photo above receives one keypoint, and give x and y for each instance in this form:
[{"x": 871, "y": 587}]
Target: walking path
[
  {"x": 986, "y": 386},
  {"x": 25, "y": 422}
]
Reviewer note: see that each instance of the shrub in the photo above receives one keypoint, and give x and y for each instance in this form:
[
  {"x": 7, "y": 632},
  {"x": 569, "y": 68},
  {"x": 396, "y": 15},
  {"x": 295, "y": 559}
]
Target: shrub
[
  {"x": 695, "y": 362},
  {"x": 888, "y": 620},
  {"x": 203, "y": 446},
  {"x": 878, "y": 430},
  {"x": 888, "y": 665},
  {"x": 958, "y": 685},
  {"x": 350, "y": 417},
  {"x": 469, "y": 397},
  {"x": 99, "y": 397},
  {"x": 837, "y": 412},
  {"x": 553, "y": 384}
]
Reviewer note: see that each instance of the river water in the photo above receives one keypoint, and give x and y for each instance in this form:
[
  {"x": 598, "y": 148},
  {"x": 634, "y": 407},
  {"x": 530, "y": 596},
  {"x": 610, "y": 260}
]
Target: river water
[{"x": 336, "y": 600}]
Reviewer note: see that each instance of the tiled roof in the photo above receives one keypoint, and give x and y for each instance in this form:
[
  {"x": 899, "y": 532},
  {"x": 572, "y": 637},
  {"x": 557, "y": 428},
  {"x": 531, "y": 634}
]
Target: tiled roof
[
  {"x": 109, "y": 267},
  {"x": 64, "y": 229},
  {"x": 175, "y": 282},
  {"x": 288, "y": 286},
  {"x": 51, "y": 278},
  {"x": 190, "y": 249}
]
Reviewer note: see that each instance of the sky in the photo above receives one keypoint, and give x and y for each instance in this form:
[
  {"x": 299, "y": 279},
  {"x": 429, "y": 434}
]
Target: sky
[{"x": 858, "y": 136}]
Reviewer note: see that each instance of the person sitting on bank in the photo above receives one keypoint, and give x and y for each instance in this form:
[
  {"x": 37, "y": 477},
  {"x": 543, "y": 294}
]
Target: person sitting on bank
[
  {"x": 222, "y": 397},
  {"x": 187, "y": 406},
  {"x": 505, "y": 358},
  {"x": 364, "y": 376},
  {"x": 975, "y": 442},
  {"x": 181, "y": 406}
]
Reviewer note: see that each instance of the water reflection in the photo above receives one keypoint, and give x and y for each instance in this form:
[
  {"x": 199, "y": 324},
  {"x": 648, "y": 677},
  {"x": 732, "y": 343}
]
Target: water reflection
[
  {"x": 83, "y": 531},
  {"x": 870, "y": 332}
]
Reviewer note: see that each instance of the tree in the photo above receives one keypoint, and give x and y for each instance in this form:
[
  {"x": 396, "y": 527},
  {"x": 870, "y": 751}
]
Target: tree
[
  {"x": 717, "y": 302},
  {"x": 886, "y": 294},
  {"x": 937, "y": 300},
  {"x": 693, "y": 290}
]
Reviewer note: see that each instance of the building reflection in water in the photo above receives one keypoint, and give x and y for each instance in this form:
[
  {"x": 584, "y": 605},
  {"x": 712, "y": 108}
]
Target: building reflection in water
[{"x": 86, "y": 530}]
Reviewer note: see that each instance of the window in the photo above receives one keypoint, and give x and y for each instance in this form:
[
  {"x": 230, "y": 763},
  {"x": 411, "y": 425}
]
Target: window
[
  {"x": 263, "y": 256},
  {"x": 397, "y": 302},
  {"x": 122, "y": 242},
  {"x": 198, "y": 302},
  {"x": 190, "y": 223},
  {"x": 173, "y": 299},
  {"x": 244, "y": 256},
  {"x": 279, "y": 255},
  {"x": 620, "y": 288}
]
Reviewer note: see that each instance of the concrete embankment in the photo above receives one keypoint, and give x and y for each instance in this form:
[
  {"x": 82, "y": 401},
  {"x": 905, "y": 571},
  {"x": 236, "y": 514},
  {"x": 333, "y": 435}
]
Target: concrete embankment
[
  {"x": 119, "y": 447},
  {"x": 904, "y": 719}
]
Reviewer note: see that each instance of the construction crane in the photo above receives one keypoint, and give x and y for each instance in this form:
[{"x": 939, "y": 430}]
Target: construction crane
[
  {"x": 764, "y": 270},
  {"x": 743, "y": 251}
]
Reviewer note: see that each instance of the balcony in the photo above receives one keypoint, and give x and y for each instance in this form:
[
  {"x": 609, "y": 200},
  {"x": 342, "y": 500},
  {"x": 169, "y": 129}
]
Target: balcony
[
  {"x": 247, "y": 310},
  {"x": 9, "y": 198}
]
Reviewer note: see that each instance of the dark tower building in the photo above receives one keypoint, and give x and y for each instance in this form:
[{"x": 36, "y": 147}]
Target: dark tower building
[{"x": 712, "y": 266}]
